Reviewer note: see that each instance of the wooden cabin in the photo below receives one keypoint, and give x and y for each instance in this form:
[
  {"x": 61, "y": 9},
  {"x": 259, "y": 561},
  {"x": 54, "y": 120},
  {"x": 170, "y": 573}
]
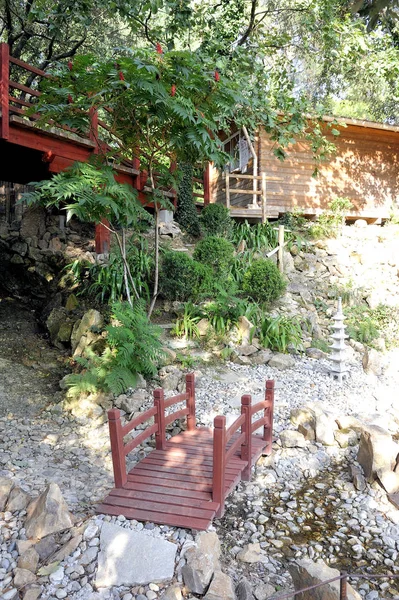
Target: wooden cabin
[{"x": 364, "y": 168}]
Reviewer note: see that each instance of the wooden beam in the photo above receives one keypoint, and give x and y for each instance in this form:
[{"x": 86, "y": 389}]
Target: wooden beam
[{"x": 4, "y": 87}]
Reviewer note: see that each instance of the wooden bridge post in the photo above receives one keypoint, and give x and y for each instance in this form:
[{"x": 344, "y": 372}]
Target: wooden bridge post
[
  {"x": 219, "y": 462},
  {"x": 246, "y": 447},
  {"x": 4, "y": 87},
  {"x": 117, "y": 447},
  {"x": 268, "y": 414},
  {"x": 160, "y": 435},
  {"x": 190, "y": 390}
]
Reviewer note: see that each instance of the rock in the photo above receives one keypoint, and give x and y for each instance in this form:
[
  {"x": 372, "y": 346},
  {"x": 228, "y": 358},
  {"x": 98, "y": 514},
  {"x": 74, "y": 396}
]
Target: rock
[
  {"x": 221, "y": 588},
  {"x": 88, "y": 556},
  {"x": 47, "y": 514},
  {"x": 361, "y": 223},
  {"x": 172, "y": 593},
  {"x": 56, "y": 318},
  {"x": 244, "y": 590},
  {"x": 377, "y": 452},
  {"x": 306, "y": 573},
  {"x": 208, "y": 544},
  {"x": 246, "y": 350},
  {"x": 170, "y": 378},
  {"x": 91, "y": 319},
  {"x": 345, "y": 437},
  {"x": 131, "y": 404},
  {"x": 315, "y": 353},
  {"x": 282, "y": 362},
  {"x": 72, "y": 303},
  {"x": 168, "y": 356},
  {"x": 57, "y": 576},
  {"x": 197, "y": 572},
  {"x": 288, "y": 262},
  {"x": 203, "y": 327},
  {"x": 245, "y": 329},
  {"x": 17, "y": 500},
  {"x": 29, "y": 560},
  {"x": 20, "y": 248},
  {"x": 250, "y": 553},
  {"x": 67, "y": 549},
  {"x": 315, "y": 329},
  {"x": 349, "y": 422},
  {"x": 292, "y": 439},
  {"x": 389, "y": 481},
  {"x": 325, "y": 427},
  {"x": 46, "y": 547},
  {"x": 23, "y": 577},
  {"x": 372, "y": 362},
  {"x": 32, "y": 592},
  {"x": 358, "y": 478},
  {"x": 6, "y": 486},
  {"x": 171, "y": 229},
  {"x": 262, "y": 357},
  {"x": 263, "y": 591},
  {"x": 132, "y": 557}
]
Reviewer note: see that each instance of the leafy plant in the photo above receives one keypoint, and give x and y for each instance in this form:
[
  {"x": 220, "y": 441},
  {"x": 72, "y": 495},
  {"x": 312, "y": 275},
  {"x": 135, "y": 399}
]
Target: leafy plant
[
  {"x": 263, "y": 281},
  {"x": 187, "y": 324},
  {"x": 133, "y": 348},
  {"x": 281, "y": 332},
  {"x": 321, "y": 345},
  {"x": 261, "y": 237},
  {"x": 365, "y": 324},
  {"x": 225, "y": 310},
  {"x": 182, "y": 278},
  {"x": 215, "y": 252},
  {"x": 215, "y": 220},
  {"x": 186, "y": 213},
  {"x": 330, "y": 223}
]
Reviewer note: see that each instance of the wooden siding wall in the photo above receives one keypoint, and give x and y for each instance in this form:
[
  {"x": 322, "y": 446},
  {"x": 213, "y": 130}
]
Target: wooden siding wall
[{"x": 364, "y": 168}]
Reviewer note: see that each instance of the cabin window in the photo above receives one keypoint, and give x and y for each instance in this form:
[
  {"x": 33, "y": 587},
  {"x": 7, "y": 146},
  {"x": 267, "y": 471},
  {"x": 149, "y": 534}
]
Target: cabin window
[{"x": 237, "y": 147}]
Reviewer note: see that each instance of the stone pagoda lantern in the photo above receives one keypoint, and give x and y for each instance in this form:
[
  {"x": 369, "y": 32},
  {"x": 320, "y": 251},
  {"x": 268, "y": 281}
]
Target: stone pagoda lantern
[{"x": 338, "y": 369}]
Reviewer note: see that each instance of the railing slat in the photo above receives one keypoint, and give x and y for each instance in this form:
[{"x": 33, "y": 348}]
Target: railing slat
[
  {"x": 4, "y": 91},
  {"x": 233, "y": 427},
  {"x": 28, "y": 67},
  {"x": 176, "y": 399},
  {"x": 139, "y": 420},
  {"x": 24, "y": 88},
  {"x": 140, "y": 438},
  {"x": 234, "y": 446},
  {"x": 259, "y": 423},
  {"x": 179, "y": 414}
]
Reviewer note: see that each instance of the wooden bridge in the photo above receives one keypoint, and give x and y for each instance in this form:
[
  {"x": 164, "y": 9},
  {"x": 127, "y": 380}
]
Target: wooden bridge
[{"x": 185, "y": 480}]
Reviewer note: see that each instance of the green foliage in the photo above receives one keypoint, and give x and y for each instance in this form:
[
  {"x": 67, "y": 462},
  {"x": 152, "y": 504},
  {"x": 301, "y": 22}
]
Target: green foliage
[
  {"x": 241, "y": 263},
  {"x": 294, "y": 220},
  {"x": 225, "y": 310},
  {"x": 281, "y": 333},
  {"x": 263, "y": 281},
  {"x": 187, "y": 324},
  {"x": 217, "y": 253},
  {"x": 215, "y": 220},
  {"x": 321, "y": 345},
  {"x": 331, "y": 222},
  {"x": 182, "y": 278},
  {"x": 186, "y": 214},
  {"x": 261, "y": 237},
  {"x": 365, "y": 324},
  {"x": 133, "y": 347},
  {"x": 90, "y": 192}
]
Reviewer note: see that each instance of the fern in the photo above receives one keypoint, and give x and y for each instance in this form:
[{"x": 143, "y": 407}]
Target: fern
[{"x": 133, "y": 348}]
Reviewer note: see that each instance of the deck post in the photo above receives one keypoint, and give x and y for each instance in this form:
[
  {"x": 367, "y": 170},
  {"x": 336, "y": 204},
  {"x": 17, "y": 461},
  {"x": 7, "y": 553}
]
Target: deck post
[
  {"x": 102, "y": 237},
  {"x": 160, "y": 435},
  {"x": 117, "y": 447},
  {"x": 264, "y": 212},
  {"x": 219, "y": 460},
  {"x": 227, "y": 175},
  {"x": 207, "y": 184},
  {"x": 190, "y": 390},
  {"x": 4, "y": 87},
  {"x": 246, "y": 447},
  {"x": 268, "y": 414}
]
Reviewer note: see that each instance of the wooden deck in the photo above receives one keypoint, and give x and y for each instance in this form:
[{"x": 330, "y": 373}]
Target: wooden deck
[{"x": 185, "y": 480}]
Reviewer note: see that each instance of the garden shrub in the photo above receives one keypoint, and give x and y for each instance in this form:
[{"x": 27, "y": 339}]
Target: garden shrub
[
  {"x": 280, "y": 333},
  {"x": 331, "y": 222},
  {"x": 183, "y": 279},
  {"x": 186, "y": 214},
  {"x": 263, "y": 281},
  {"x": 217, "y": 253},
  {"x": 215, "y": 220}
]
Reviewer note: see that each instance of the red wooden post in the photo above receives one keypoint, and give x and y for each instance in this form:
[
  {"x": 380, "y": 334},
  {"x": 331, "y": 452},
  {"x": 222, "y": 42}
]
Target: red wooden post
[
  {"x": 4, "y": 87},
  {"x": 190, "y": 390},
  {"x": 207, "y": 184},
  {"x": 268, "y": 414},
  {"x": 93, "y": 133},
  {"x": 172, "y": 169},
  {"x": 103, "y": 237},
  {"x": 246, "y": 447},
  {"x": 219, "y": 462},
  {"x": 160, "y": 435},
  {"x": 117, "y": 447}
]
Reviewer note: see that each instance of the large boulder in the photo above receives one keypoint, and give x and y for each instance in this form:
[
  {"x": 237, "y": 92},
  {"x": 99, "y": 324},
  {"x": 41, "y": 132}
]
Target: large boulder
[
  {"x": 47, "y": 514},
  {"x": 282, "y": 362},
  {"x": 372, "y": 362},
  {"x": 221, "y": 588},
  {"x": 133, "y": 558},
  {"x": 198, "y": 571},
  {"x": 83, "y": 334},
  {"x": 17, "y": 500},
  {"x": 6, "y": 486},
  {"x": 306, "y": 573},
  {"x": 377, "y": 452}
]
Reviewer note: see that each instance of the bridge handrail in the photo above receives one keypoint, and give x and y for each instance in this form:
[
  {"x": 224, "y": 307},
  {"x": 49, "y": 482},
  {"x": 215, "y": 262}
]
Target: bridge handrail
[
  {"x": 226, "y": 445},
  {"x": 120, "y": 449}
]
